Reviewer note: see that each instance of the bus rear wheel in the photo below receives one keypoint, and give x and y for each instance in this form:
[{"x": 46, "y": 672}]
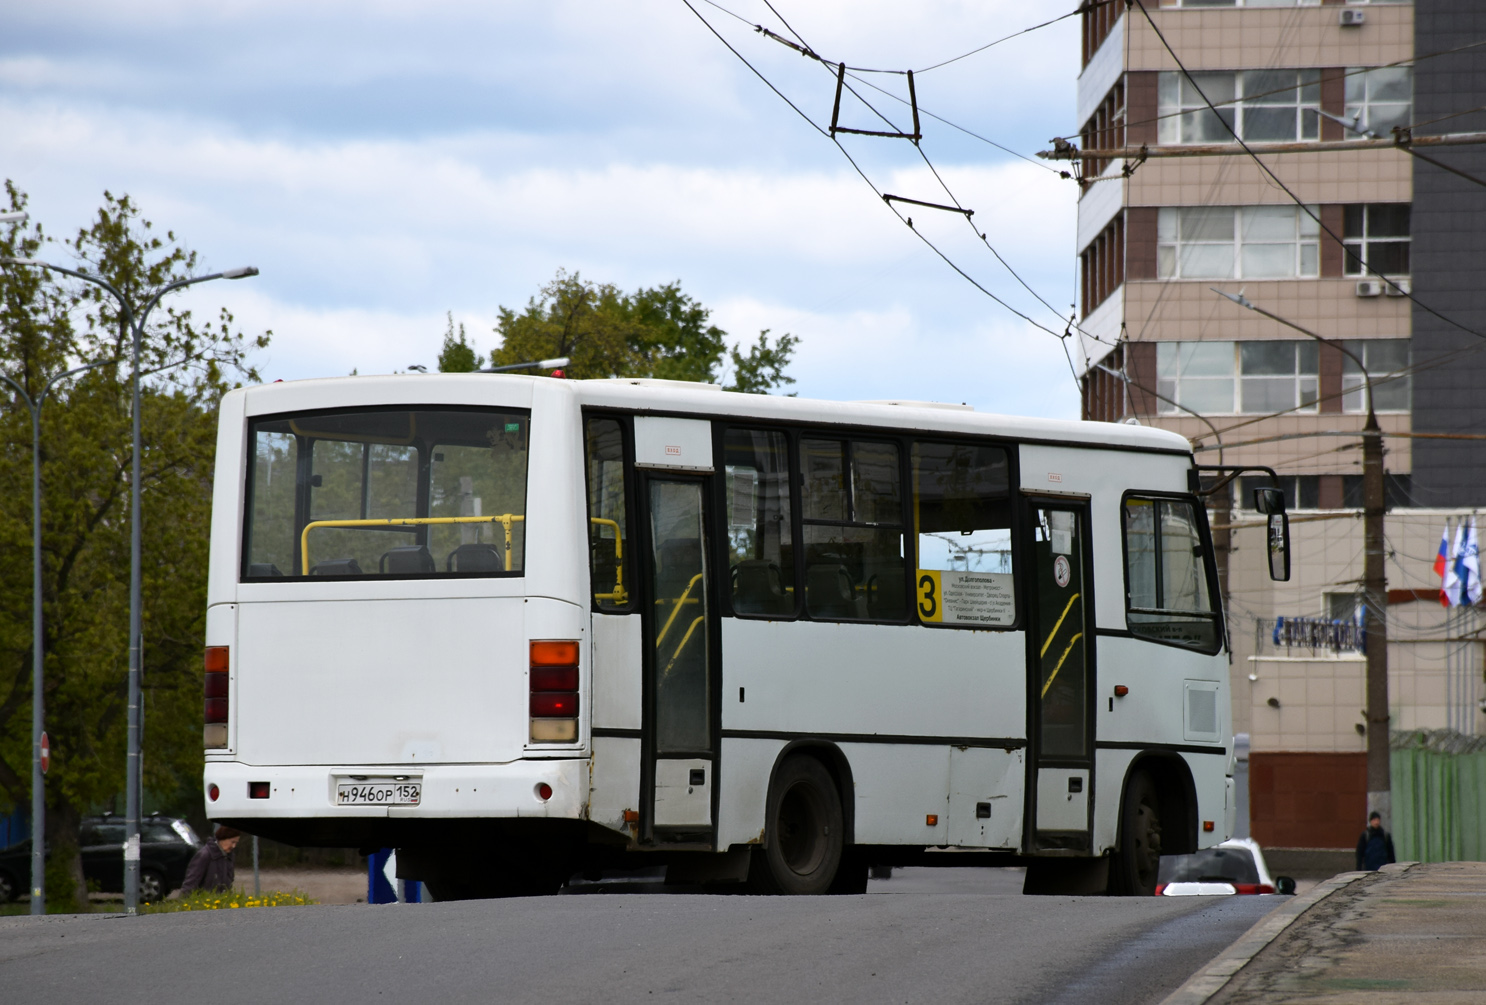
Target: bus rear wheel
[
  {"x": 1132, "y": 873},
  {"x": 805, "y": 834}
]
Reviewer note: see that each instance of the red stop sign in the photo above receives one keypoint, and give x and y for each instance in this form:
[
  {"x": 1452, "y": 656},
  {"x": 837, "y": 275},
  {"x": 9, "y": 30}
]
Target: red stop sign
[{"x": 46, "y": 752}]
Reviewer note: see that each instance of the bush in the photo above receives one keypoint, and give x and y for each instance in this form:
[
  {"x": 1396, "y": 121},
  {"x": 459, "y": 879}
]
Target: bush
[{"x": 212, "y": 900}]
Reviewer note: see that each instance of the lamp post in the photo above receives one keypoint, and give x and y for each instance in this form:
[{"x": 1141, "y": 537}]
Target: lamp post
[
  {"x": 38, "y": 791},
  {"x": 136, "y": 321},
  {"x": 1374, "y": 578}
]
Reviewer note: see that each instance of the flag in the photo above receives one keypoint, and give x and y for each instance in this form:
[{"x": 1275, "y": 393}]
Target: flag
[
  {"x": 1450, "y": 591},
  {"x": 1441, "y": 561},
  {"x": 1468, "y": 567}
]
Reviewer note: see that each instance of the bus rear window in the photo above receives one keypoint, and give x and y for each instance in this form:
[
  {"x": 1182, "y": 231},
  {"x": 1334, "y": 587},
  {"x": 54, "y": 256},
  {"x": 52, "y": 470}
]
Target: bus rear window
[{"x": 392, "y": 493}]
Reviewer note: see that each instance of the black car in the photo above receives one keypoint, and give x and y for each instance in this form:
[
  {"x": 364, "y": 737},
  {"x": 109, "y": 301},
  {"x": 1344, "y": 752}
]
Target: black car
[{"x": 166, "y": 845}]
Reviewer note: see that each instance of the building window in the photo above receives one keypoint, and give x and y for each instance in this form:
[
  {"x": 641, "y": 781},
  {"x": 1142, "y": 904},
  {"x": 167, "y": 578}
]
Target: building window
[
  {"x": 1240, "y": 3},
  {"x": 1260, "y": 105},
  {"x": 1381, "y": 98},
  {"x": 1103, "y": 264},
  {"x": 1216, "y": 378},
  {"x": 1105, "y": 130},
  {"x": 1301, "y": 491},
  {"x": 1237, "y": 242},
  {"x": 1278, "y": 376},
  {"x": 1387, "y": 361},
  {"x": 1377, "y": 239}
]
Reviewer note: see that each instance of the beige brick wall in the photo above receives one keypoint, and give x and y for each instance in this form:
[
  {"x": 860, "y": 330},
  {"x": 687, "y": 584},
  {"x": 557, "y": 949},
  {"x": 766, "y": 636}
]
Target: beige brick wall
[{"x": 1237, "y": 38}]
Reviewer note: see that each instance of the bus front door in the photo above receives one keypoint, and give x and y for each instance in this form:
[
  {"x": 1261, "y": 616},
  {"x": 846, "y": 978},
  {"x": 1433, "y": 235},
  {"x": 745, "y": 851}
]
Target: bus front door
[
  {"x": 679, "y": 766},
  {"x": 1061, "y": 676}
]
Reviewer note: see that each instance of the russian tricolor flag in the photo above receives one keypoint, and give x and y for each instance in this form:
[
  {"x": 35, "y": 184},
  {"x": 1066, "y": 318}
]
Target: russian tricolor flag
[{"x": 1442, "y": 562}]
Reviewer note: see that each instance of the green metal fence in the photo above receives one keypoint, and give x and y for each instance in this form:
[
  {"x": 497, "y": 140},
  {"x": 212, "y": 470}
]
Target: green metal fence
[{"x": 1439, "y": 796}]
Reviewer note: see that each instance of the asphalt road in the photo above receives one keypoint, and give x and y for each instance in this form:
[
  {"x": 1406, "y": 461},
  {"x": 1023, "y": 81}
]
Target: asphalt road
[{"x": 925, "y": 935}]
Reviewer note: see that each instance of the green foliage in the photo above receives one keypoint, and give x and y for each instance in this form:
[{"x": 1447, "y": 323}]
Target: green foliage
[
  {"x": 210, "y": 900},
  {"x": 457, "y": 356},
  {"x": 761, "y": 369},
  {"x": 657, "y": 332},
  {"x": 48, "y": 323}
]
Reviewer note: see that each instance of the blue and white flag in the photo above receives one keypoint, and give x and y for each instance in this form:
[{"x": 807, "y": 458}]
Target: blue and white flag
[
  {"x": 1450, "y": 589},
  {"x": 1467, "y": 565}
]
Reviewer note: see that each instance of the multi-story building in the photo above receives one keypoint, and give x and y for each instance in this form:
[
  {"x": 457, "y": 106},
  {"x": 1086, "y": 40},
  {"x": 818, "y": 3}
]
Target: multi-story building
[{"x": 1353, "y": 240}]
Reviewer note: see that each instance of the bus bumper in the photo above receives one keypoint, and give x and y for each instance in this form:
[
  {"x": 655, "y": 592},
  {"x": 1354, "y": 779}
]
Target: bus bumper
[{"x": 513, "y": 790}]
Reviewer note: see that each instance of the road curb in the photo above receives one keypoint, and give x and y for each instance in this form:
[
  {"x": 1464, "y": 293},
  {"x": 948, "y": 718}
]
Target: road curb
[{"x": 1210, "y": 979}]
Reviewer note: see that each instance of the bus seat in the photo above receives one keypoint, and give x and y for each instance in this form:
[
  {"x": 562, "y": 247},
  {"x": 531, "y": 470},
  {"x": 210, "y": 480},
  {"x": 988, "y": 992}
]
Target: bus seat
[
  {"x": 475, "y": 558},
  {"x": 337, "y": 567},
  {"x": 758, "y": 588},
  {"x": 408, "y": 560},
  {"x": 829, "y": 591}
]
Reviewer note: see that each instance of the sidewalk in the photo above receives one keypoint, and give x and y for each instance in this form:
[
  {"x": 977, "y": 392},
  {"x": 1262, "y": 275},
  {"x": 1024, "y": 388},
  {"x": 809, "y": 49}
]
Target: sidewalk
[{"x": 1411, "y": 933}]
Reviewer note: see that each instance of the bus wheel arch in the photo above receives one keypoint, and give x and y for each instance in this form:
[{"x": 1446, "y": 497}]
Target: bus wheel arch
[
  {"x": 1158, "y": 804},
  {"x": 807, "y": 837}
]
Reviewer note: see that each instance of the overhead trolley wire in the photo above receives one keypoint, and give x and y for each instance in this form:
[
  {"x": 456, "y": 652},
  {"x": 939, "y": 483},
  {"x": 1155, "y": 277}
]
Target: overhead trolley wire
[{"x": 1080, "y": 9}]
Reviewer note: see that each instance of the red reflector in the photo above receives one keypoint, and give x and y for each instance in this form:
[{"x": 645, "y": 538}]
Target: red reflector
[
  {"x": 1253, "y": 888},
  {"x": 215, "y": 710},
  {"x": 554, "y": 654},
  {"x": 257, "y": 790},
  {"x": 212, "y": 792},
  {"x": 544, "y": 791},
  {"x": 1159, "y": 888},
  {"x": 216, "y": 685},
  {"x": 554, "y": 678},
  {"x": 1121, "y": 690},
  {"x": 216, "y": 659},
  {"x": 554, "y": 704}
]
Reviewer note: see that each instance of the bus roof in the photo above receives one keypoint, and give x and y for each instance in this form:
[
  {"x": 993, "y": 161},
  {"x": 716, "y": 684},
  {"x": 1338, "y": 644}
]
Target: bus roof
[{"x": 684, "y": 398}]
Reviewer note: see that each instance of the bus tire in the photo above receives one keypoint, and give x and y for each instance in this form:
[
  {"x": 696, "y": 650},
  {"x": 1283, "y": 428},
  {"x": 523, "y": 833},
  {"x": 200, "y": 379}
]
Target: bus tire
[
  {"x": 1132, "y": 873},
  {"x": 805, "y": 832}
]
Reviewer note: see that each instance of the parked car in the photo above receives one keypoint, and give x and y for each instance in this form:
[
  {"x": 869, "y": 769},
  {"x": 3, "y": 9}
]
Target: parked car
[
  {"x": 166, "y": 845},
  {"x": 1235, "y": 866}
]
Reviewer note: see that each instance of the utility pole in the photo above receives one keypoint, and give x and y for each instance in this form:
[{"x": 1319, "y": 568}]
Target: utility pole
[{"x": 1374, "y": 580}]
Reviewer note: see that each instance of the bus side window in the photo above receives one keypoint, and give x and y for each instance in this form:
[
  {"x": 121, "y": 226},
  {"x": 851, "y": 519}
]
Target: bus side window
[
  {"x": 962, "y": 522},
  {"x": 761, "y": 555},
  {"x": 608, "y": 544},
  {"x": 1167, "y": 575},
  {"x": 853, "y": 525}
]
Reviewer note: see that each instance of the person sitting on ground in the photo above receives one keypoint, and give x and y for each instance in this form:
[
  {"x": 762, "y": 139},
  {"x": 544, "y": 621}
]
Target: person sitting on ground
[
  {"x": 211, "y": 867},
  {"x": 1375, "y": 846}
]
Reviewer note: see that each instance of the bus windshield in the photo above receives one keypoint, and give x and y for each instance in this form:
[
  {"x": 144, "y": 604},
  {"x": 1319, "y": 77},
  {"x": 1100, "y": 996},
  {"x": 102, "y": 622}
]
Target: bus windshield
[{"x": 386, "y": 492}]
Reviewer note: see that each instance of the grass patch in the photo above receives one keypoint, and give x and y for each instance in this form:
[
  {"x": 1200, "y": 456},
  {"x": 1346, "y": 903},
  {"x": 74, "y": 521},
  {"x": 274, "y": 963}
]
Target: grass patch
[{"x": 207, "y": 900}]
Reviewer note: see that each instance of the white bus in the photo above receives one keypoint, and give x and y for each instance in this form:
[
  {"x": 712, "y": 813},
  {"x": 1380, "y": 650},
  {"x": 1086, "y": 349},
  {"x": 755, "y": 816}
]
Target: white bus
[{"x": 520, "y": 628}]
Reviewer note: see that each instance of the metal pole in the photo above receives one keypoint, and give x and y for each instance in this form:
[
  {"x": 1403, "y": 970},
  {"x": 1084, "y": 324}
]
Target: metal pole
[
  {"x": 132, "y": 778},
  {"x": 38, "y": 790},
  {"x": 257, "y": 886},
  {"x": 1375, "y": 584}
]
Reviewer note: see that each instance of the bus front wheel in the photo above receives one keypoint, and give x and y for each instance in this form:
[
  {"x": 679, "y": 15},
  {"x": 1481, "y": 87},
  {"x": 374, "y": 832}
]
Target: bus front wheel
[
  {"x": 1133, "y": 870},
  {"x": 805, "y": 833}
]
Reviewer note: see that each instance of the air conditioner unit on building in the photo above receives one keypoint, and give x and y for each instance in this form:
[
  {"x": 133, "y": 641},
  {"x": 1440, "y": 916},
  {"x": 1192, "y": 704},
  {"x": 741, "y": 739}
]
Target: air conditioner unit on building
[
  {"x": 1400, "y": 288},
  {"x": 1369, "y": 288},
  {"x": 1352, "y": 18}
]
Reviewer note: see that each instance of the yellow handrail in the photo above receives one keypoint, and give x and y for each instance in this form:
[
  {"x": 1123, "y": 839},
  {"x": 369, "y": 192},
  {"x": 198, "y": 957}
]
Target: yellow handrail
[
  {"x": 506, "y": 519},
  {"x": 677, "y": 609},
  {"x": 620, "y": 595},
  {"x": 684, "y": 640}
]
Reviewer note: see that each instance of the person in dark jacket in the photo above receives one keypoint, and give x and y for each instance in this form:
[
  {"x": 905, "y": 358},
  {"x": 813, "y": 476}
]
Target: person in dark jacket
[
  {"x": 1375, "y": 846},
  {"x": 211, "y": 867}
]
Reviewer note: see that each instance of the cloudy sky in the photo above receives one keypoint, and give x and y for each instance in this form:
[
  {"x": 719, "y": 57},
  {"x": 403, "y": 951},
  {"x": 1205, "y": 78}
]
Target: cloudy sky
[{"x": 384, "y": 163}]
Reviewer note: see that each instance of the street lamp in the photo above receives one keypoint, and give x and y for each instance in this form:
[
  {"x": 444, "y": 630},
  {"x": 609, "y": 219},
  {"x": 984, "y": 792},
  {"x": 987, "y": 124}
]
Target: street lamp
[
  {"x": 1374, "y": 577},
  {"x": 38, "y": 792},
  {"x": 135, "y": 321}
]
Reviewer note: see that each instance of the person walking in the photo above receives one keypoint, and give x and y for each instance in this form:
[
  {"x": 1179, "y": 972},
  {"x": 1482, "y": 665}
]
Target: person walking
[
  {"x": 1375, "y": 846},
  {"x": 211, "y": 867}
]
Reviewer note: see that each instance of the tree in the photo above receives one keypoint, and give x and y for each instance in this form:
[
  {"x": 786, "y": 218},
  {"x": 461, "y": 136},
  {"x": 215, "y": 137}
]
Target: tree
[
  {"x": 457, "y": 356},
  {"x": 656, "y": 332},
  {"x": 47, "y": 324}
]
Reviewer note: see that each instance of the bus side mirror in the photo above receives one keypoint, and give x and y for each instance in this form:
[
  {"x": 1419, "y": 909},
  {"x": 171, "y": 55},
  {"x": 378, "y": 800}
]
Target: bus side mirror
[
  {"x": 1284, "y": 885},
  {"x": 1271, "y": 502}
]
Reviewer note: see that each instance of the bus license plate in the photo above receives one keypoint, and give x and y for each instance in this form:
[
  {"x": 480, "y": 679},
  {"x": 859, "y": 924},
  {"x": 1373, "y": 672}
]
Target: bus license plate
[{"x": 378, "y": 793}]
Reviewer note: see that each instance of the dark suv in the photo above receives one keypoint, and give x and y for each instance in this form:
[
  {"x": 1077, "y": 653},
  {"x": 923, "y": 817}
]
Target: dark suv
[{"x": 166, "y": 845}]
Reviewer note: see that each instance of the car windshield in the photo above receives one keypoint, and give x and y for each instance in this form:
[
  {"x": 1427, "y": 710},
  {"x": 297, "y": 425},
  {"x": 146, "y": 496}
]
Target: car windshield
[
  {"x": 403, "y": 493},
  {"x": 1223, "y": 865},
  {"x": 186, "y": 833}
]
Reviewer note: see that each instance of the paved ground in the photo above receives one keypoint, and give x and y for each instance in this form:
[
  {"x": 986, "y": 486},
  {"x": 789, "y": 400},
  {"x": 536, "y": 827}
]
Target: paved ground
[
  {"x": 1415, "y": 935},
  {"x": 899, "y": 945}
]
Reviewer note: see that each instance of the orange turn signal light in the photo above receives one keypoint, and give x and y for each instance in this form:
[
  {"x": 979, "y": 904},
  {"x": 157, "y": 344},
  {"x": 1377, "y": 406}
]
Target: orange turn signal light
[
  {"x": 549, "y": 653},
  {"x": 931, "y": 820},
  {"x": 216, "y": 659},
  {"x": 1207, "y": 826},
  {"x": 631, "y": 816},
  {"x": 1121, "y": 690}
]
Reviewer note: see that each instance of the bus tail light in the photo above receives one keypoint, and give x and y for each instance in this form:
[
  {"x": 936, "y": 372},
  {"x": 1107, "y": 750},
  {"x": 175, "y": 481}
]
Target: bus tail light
[
  {"x": 214, "y": 709},
  {"x": 554, "y": 691}
]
